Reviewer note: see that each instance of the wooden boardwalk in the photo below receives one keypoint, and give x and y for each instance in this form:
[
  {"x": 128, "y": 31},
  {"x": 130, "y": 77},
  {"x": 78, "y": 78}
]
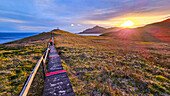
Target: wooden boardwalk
[{"x": 56, "y": 82}]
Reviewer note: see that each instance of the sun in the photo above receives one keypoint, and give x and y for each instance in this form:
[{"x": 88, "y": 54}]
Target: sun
[{"x": 127, "y": 24}]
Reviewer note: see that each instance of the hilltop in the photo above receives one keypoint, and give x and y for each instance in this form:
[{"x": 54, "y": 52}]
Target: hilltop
[
  {"x": 94, "y": 30},
  {"x": 100, "y": 30},
  {"x": 156, "y": 32},
  {"x": 159, "y": 31},
  {"x": 41, "y": 38}
]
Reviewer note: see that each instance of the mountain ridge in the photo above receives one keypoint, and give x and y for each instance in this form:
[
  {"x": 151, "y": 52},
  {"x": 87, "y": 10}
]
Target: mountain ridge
[
  {"x": 153, "y": 26},
  {"x": 95, "y": 30},
  {"x": 159, "y": 31}
]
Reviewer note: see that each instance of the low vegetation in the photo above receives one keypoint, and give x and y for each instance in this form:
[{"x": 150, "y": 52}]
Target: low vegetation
[{"x": 96, "y": 66}]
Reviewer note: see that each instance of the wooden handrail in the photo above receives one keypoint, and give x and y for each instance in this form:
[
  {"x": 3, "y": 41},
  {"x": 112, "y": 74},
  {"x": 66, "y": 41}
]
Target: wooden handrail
[{"x": 28, "y": 83}]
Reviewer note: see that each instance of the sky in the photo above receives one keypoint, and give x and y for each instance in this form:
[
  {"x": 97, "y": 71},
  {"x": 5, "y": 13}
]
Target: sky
[{"x": 77, "y": 15}]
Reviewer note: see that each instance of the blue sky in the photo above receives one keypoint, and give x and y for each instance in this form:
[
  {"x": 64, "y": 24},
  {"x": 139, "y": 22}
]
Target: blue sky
[{"x": 77, "y": 15}]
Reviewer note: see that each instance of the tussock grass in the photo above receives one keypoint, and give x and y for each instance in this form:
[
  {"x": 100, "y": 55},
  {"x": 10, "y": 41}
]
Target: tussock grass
[{"x": 95, "y": 65}]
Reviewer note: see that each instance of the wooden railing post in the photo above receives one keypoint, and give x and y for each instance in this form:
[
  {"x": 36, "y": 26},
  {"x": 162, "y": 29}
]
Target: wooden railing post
[
  {"x": 29, "y": 81},
  {"x": 43, "y": 69}
]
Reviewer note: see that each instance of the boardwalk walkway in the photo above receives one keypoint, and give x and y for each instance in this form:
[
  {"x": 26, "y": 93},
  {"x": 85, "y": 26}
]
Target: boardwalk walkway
[{"x": 56, "y": 82}]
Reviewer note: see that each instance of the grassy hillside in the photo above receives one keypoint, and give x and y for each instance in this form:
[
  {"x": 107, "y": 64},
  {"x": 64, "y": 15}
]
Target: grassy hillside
[
  {"x": 160, "y": 30},
  {"x": 96, "y": 66},
  {"x": 164, "y": 23},
  {"x": 18, "y": 59},
  {"x": 133, "y": 34},
  {"x": 155, "y": 32}
]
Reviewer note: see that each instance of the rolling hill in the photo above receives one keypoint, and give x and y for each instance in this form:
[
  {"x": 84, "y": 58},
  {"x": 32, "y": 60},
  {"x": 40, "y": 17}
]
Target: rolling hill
[
  {"x": 96, "y": 65},
  {"x": 159, "y": 31},
  {"x": 100, "y": 30}
]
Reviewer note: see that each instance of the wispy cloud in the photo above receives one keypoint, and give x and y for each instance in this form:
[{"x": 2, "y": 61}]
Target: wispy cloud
[
  {"x": 14, "y": 13},
  {"x": 138, "y": 8},
  {"x": 34, "y": 28},
  {"x": 12, "y": 20},
  {"x": 39, "y": 15}
]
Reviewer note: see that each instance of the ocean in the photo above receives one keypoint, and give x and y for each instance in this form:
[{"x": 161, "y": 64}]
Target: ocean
[
  {"x": 12, "y": 36},
  {"x": 7, "y": 37}
]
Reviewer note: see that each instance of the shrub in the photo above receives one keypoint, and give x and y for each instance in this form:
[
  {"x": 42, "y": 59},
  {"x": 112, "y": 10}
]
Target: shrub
[{"x": 37, "y": 51}]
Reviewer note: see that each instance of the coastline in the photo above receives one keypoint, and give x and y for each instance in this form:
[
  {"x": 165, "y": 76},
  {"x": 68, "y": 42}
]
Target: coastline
[{"x": 6, "y": 37}]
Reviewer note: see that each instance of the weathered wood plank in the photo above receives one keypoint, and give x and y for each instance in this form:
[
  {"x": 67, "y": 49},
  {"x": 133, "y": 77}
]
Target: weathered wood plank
[{"x": 57, "y": 82}]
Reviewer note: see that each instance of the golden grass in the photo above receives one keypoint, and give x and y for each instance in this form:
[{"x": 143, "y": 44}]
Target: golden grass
[{"x": 95, "y": 65}]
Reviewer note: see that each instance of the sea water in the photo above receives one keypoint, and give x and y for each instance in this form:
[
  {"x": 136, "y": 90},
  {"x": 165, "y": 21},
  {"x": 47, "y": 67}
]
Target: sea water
[{"x": 7, "y": 37}]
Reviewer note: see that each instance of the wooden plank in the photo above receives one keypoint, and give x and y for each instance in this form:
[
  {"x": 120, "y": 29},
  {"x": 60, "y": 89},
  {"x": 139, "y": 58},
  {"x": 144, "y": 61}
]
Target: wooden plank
[{"x": 57, "y": 82}]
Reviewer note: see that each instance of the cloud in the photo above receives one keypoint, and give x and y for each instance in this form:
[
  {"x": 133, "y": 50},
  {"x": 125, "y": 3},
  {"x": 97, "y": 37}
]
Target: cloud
[
  {"x": 34, "y": 28},
  {"x": 72, "y": 25},
  {"x": 167, "y": 17},
  {"x": 12, "y": 20},
  {"x": 78, "y": 24},
  {"x": 48, "y": 8},
  {"x": 41, "y": 15},
  {"x": 126, "y": 9},
  {"x": 14, "y": 13}
]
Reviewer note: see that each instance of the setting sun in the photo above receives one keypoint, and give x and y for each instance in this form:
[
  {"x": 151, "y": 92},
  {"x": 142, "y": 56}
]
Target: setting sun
[{"x": 127, "y": 24}]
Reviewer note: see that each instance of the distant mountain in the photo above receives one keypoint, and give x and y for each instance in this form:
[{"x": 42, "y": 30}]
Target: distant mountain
[
  {"x": 94, "y": 30},
  {"x": 98, "y": 30},
  {"x": 159, "y": 31}
]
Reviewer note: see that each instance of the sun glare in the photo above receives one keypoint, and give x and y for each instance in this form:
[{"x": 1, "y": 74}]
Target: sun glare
[{"x": 127, "y": 24}]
